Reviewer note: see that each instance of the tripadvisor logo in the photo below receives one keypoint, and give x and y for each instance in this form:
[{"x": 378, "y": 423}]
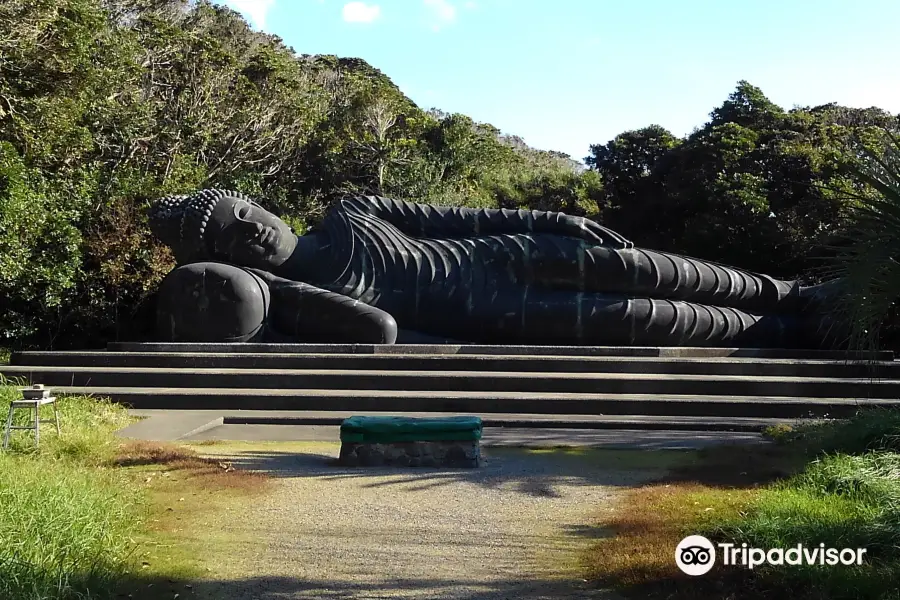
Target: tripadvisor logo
[{"x": 696, "y": 555}]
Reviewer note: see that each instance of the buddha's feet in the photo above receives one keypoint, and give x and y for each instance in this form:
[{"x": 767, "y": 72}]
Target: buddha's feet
[{"x": 822, "y": 295}]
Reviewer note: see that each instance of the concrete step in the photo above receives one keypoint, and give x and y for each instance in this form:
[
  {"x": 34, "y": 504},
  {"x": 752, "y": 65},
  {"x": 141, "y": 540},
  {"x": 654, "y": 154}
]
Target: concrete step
[
  {"x": 463, "y": 381},
  {"x": 470, "y": 402},
  {"x": 165, "y": 424},
  {"x": 469, "y": 349},
  {"x": 634, "y": 422},
  {"x": 648, "y": 432},
  {"x": 757, "y": 367}
]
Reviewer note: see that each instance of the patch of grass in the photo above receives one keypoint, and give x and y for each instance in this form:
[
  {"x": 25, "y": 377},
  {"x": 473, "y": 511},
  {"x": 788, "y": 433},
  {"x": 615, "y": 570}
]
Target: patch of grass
[
  {"x": 207, "y": 473},
  {"x": 5, "y": 354},
  {"x": 872, "y": 478},
  {"x": 784, "y": 517},
  {"x": 86, "y": 515},
  {"x": 873, "y": 429},
  {"x": 638, "y": 554},
  {"x": 187, "y": 494},
  {"x": 841, "y": 501},
  {"x": 833, "y": 483},
  {"x": 65, "y": 529},
  {"x": 67, "y": 525},
  {"x": 88, "y": 426}
]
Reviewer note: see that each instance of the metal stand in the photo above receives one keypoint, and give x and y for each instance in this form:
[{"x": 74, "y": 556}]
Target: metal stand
[{"x": 34, "y": 398}]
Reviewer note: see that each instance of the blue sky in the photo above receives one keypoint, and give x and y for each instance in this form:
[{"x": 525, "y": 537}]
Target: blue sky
[{"x": 564, "y": 74}]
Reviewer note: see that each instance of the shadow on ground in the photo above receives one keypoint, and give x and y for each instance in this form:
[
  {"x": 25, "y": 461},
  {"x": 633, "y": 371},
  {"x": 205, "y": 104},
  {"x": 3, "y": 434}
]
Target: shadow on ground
[
  {"x": 530, "y": 437},
  {"x": 289, "y": 588},
  {"x": 532, "y": 472}
]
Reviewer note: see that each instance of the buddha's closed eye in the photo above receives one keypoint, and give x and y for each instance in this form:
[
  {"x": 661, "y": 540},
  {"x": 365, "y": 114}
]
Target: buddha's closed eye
[{"x": 243, "y": 211}]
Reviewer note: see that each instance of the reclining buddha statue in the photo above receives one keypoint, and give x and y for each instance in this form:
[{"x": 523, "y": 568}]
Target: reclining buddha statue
[{"x": 376, "y": 267}]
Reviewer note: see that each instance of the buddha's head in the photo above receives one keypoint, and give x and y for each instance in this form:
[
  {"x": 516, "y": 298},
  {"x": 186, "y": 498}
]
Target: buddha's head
[{"x": 222, "y": 225}]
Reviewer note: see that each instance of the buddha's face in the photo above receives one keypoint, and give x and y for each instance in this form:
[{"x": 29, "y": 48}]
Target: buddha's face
[{"x": 243, "y": 233}]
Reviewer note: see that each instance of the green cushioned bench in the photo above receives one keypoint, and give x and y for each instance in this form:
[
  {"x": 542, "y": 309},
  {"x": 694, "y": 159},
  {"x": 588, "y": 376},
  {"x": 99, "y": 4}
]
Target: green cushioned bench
[
  {"x": 410, "y": 429},
  {"x": 409, "y": 441}
]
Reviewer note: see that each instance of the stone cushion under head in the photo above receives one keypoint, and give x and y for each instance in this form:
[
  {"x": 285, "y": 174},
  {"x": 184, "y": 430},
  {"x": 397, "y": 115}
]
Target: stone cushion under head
[{"x": 410, "y": 429}]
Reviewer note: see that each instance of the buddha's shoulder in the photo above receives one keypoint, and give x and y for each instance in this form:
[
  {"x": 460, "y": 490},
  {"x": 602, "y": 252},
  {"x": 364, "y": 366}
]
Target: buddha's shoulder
[{"x": 361, "y": 203}]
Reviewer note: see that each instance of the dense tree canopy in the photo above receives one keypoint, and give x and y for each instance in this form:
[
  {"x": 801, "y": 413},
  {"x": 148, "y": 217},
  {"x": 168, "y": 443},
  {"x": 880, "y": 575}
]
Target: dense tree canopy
[
  {"x": 756, "y": 186},
  {"x": 108, "y": 104}
]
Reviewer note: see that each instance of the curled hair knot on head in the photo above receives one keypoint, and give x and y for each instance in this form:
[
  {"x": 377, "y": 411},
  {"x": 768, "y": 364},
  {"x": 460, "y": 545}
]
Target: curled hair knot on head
[{"x": 181, "y": 221}]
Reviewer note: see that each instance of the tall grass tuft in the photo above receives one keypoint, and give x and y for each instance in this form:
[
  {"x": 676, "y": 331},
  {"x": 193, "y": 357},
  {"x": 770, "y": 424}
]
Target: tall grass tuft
[
  {"x": 872, "y": 479},
  {"x": 876, "y": 429},
  {"x": 67, "y": 520},
  {"x": 88, "y": 425},
  {"x": 66, "y": 531},
  {"x": 840, "y": 500},
  {"x": 848, "y": 496}
]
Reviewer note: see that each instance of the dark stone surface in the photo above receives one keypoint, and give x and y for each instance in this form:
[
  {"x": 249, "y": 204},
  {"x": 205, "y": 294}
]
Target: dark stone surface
[
  {"x": 453, "y": 454},
  {"x": 475, "y": 350},
  {"x": 378, "y": 266},
  {"x": 212, "y": 302}
]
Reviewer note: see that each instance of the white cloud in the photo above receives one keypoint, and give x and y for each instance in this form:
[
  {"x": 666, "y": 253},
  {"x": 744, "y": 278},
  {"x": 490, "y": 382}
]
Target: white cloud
[
  {"x": 442, "y": 12},
  {"x": 360, "y": 12},
  {"x": 255, "y": 11},
  {"x": 470, "y": 5}
]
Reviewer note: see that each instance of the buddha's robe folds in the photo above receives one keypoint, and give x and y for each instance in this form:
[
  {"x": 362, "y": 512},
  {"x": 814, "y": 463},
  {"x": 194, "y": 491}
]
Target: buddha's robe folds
[{"x": 453, "y": 272}]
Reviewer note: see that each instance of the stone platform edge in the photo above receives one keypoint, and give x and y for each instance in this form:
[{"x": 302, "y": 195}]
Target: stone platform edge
[{"x": 512, "y": 350}]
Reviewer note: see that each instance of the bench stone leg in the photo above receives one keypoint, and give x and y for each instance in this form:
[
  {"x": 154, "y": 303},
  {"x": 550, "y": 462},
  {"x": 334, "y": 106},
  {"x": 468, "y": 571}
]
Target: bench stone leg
[{"x": 459, "y": 454}]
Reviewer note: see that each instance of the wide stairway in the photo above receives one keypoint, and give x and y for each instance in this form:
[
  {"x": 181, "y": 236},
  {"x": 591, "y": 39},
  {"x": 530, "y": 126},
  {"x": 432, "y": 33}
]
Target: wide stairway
[{"x": 592, "y": 387}]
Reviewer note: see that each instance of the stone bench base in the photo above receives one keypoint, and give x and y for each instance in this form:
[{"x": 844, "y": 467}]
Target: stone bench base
[{"x": 460, "y": 454}]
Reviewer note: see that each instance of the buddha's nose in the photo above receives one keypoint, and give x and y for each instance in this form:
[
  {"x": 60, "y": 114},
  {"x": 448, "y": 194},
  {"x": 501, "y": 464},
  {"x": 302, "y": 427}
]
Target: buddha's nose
[{"x": 251, "y": 227}]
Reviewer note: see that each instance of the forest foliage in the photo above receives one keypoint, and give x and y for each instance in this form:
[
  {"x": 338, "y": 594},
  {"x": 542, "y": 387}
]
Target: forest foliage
[{"x": 106, "y": 105}]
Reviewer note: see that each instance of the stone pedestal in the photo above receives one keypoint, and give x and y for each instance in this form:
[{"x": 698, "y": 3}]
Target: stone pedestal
[{"x": 458, "y": 454}]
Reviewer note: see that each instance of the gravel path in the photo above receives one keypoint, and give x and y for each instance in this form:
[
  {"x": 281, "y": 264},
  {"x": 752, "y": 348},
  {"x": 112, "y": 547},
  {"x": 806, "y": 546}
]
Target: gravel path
[{"x": 512, "y": 529}]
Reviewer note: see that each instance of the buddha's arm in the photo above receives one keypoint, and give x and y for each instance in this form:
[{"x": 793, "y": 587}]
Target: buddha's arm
[
  {"x": 302, "y": 310},
  {"x": 425, "y": 220}
]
